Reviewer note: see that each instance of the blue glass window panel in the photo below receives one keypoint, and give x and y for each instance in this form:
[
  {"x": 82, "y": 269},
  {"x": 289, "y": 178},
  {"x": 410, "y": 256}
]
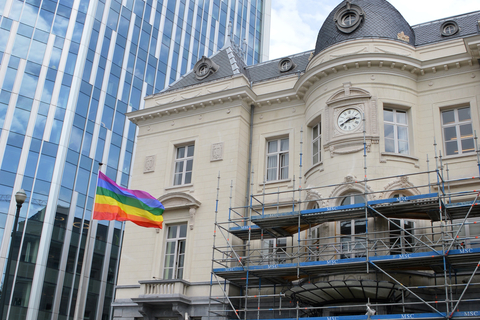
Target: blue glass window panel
[
  {"x": 43, "y": 108},
  {"x": 72, "y": 157},
  {"x": 6, "y": 22},
  {"x": 112, "y": 19},
  {"x": 4, "y": 34},
  {"x": 87, "y": 70},
  {"x": 82, "y": 104},
  {"x": 11, "y": 157},
  {"x": 99, "y": 12},
  {"x": 59, "y": 113},
  {"x": 42, "y": 187},
  {"x": 49, "y": 5},
  {"x": 45, "y": 20},
  {"x": 107, "y": 117},
  {"x": 50, "y": 149},
  {"x": 55, "y": 58},
  {"x": 64, "y": 11},
  {"x": 65, "y": 196},
  {"x": 59, "y": 42},
  {"x": 33, "y": 68},
  {"x": 99, "y": 78},
  {"x": 7, "y": 178},
  {"x": 92, "y": 115},
  {"x": 76, "y": 139},
  {"x": 82, "y": 181},
  {"x": 20, "y": 121},
  {"x": 27, "y": 184},
  {"x": 69, "y": 175},
  {"x": 144, "y": 39},
  {"x": 119, "y": 123},
  {"x": 25, "y": 30},
  {"x": 56, "y": 131},
  {"x": 87, "y": 143},
  {"x": 135, "y": 35},
  {"x": 15, "y": 10},
  {"x": 10, "y": 80},
  {"x": 4, "y": 204},
  {"x": 81, "y": 17},
  {"x": 39, "y": 126},
  {"x": 93, "y": 41},
  {"x": 113, "y": 156},
  {"x": 24, "y": 103},
  {"x": 167, "y": 29},
  {"x": 83, "y": 7},
  {"x": 29, "y": 85},
  {"x": 77, "y": 32},
  {"x": 138, "y": 9},
  {"x": 71, "y": 61},
  {"x": 51, "y": 74},
  {"x": 140, "y": 68},
  {"x": 135, "y": 97},
  {"x": 160, "y": 82},
  {"x": 29, "y": 14},
  {"x": 79, "y": 121},
  {"x": 20, "y": 47},
  {"x": 63, "y": 96},
  {"x": 121, "y": 107},
  {"x": 148, "y": 12},
  {"x": 127, "y": 163},
  {"x": 117, "y": 139},
  {"x": 118, "y": 55},
  {"x": 60, "y": 26},
  {"x": 150, "y": 75},
  {"x": 112, "y": 87},
  {"x": 15, "y": 139},
  {"x": 99, "y": 151},
  {"x": 3, "y": 112},
  {"x": 131, "y": 132}
]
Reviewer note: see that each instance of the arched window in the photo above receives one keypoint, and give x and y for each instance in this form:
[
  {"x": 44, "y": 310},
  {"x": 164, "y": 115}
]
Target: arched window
[{"x": 401, "y": 233}]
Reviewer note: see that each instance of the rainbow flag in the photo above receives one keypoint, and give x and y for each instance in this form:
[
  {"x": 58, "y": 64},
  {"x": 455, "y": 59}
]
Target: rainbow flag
[{"x": 113, "y": 202}]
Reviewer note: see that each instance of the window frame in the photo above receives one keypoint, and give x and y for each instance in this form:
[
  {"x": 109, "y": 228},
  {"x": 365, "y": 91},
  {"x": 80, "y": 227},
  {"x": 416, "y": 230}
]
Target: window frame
[
  {"x": 184, "y": 160},
  {"x": 317, "y": 138},
  {"x": 279, "y": 155},
  {"x": 396, "y": 125},
  {"x": 353, "y": 244},
  {"x": 180, "y": 243},
  {"x": 457, "y": 124}
]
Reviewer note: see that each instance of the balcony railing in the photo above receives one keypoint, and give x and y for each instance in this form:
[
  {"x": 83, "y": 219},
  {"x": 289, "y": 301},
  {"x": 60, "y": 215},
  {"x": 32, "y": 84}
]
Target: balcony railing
[{"x": 163, "y": 287}]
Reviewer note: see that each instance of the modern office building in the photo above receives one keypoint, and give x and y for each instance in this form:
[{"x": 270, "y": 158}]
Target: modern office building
[
  {"x": 339, "y": 183},
  {"x": 69, "y": 71}
]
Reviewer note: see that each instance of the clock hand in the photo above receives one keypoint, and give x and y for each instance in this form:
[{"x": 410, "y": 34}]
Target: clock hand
[{"x": 348, "y": 120}]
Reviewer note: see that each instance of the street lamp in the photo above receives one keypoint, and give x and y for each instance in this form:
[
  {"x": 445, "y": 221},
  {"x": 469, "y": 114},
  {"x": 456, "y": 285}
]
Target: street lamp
[{"x": 20, "y": 198}]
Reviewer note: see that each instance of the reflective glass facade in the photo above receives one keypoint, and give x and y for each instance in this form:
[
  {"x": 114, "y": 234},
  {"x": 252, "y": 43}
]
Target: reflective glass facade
[{"x": 69, "y": 71}]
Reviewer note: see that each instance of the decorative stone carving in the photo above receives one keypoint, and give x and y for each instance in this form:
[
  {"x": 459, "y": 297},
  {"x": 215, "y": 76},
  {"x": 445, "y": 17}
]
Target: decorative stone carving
[
  {"x": 350, "y": 186},
  {"x": 402, "y": 36},
  {"x": 181, "y": 200},
  {"x": 400, "y": 185},
  {"x": 149, "y": 165},
  {"x": 217, "y": 152}
]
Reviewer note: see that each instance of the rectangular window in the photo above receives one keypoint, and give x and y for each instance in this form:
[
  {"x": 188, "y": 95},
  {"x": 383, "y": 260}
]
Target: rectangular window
[
  {"x": 316, "y": 143},
  {"x": 175, "y": 252},
  {"x": 277, "y": 159},
  {"x": 396, "y": 131},
  {"x": 401, "y": 238},
  {"x": 183, "y": 165},
  {"x": 457, "y": 131}
]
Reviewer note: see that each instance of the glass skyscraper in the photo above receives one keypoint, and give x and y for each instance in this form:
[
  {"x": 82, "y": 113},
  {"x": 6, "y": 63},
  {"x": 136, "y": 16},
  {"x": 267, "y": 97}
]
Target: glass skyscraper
[{"x": 69, "y": 71}]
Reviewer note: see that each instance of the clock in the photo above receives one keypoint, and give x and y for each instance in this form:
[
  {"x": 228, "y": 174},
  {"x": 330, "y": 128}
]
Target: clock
[{"x": 349, "y": 119}]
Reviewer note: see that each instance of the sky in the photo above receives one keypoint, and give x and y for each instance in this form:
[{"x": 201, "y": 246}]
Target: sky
[{"x": 295, "y": 23}]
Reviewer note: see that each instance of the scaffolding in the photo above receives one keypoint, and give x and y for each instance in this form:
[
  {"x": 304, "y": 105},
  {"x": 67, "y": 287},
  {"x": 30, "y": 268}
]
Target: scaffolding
[{"x": 413, "y": 253}]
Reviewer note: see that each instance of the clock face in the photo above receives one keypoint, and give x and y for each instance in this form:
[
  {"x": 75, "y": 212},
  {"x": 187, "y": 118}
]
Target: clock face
[{"x": 349, "y": 119}]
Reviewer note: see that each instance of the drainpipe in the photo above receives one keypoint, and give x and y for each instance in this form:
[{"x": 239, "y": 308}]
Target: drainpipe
[{"x": 249, "y": 169}]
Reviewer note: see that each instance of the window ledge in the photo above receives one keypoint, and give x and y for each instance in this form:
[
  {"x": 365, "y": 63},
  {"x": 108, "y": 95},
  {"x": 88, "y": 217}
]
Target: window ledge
[
  {"x": 190, "y": 185},
  {"x": 267, "y": 183},
  {"x": 459, "y": 156},
  {"x": 399, "y": 155}
]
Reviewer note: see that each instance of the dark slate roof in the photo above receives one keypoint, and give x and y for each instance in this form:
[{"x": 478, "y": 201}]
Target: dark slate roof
[
  {"x": 229, "y": 64},
  {"x": 381, "y": 20},
  {"x": 430, "y": 32},
  {"x": 270, "y": 69}
]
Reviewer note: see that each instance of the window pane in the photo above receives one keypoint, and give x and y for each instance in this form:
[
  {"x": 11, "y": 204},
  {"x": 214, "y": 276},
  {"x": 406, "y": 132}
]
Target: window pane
[
  {"x": 189, "y": 165},
  {"x": 272, "y": 146},
  {"x": 388, "y": 115},
  {"x": 180, "y": 152},
  {"x": 272, "y": 162},
  {"x": 450, "y": 134},
  {"x": 467, "y": 145},
  {"x": 179, "y": 167},
  {"x": 466, "y": 131},
  {"x": 448, "y": 117},
  {"x": 401, "y": 117},
  {"x": 389, "y": 145},
  {"x": 452, "y": 147},
  {"x": 402, "y": 147},
  {"x": 183, "y": 230},
  {"x": 177, "y": 179},
  {"x": 464, "y": 114},
  {"x": 188, "y": 177},
  {"x": 284, "y": 145},
  {"x": 315, "y": 132},
  {"x": 172, "y": 232},
  {"x": 402, "y": 133},
  {"x": 190, "y": 151},
  {"x": 388, "y": 128}
]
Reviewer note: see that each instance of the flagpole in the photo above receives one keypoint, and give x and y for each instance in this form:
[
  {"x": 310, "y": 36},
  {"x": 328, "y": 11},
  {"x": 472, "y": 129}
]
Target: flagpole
[{"x": 86, "y": 266}]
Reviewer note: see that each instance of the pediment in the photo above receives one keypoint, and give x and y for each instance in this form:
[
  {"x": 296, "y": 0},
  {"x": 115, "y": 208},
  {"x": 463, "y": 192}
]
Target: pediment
[
  {"x": 179, "y": 200},
  {"x": 348, "y": 92}
]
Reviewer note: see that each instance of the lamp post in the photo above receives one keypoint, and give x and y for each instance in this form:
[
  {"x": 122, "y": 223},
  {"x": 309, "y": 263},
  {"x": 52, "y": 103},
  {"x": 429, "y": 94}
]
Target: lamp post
[{"x": 20, "y": 198}]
